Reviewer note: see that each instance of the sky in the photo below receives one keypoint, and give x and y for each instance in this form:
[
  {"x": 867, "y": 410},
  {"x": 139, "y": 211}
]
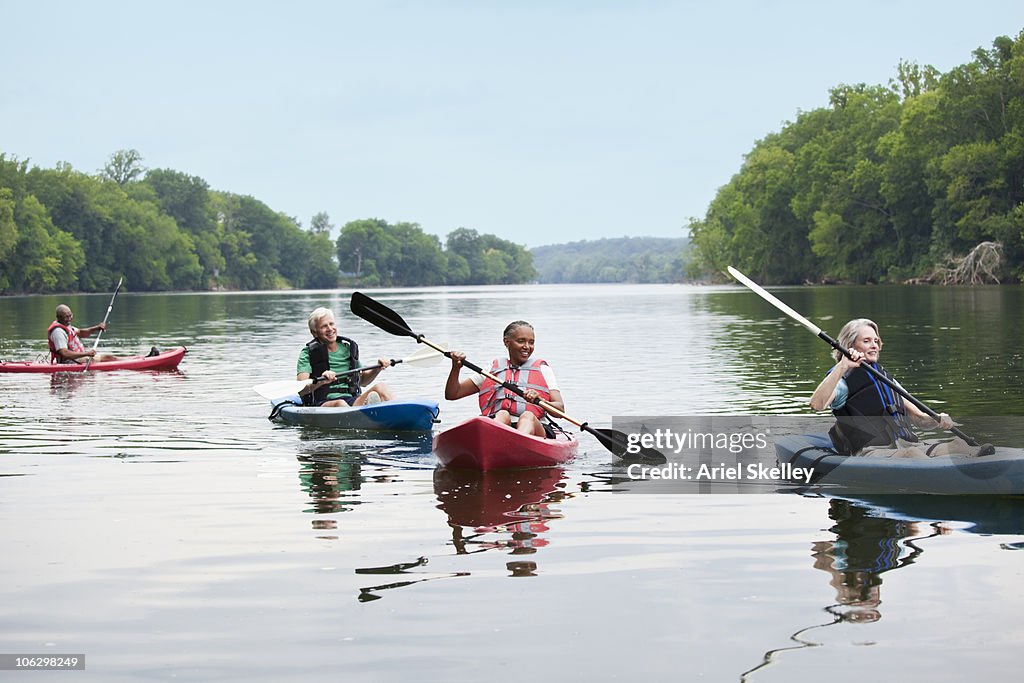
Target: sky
[{"x": 540, "y": 122}]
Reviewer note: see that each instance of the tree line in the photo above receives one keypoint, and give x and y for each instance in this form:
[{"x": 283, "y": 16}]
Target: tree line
[
  {"x": 908, "y": 181},
  {"x": 613, "y": 260},
  {"x": 63, "y": 230},
  {"x": 373, "y": 253}
]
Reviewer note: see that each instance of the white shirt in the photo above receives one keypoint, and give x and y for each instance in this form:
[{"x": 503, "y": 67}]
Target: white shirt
[{"x": 59, "y": 338}]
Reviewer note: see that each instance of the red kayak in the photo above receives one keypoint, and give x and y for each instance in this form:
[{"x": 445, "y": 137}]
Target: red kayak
[
  {"x": 168, "y": 360},
  {"x": 481, "y": 443}
]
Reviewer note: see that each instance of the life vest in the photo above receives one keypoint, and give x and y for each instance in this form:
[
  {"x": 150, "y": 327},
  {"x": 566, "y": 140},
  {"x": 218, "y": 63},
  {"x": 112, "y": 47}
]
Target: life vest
[
  {"x": 494, "y": 397},
  {"x": 74, "y": 343},
  {"x": 320, "y": 362},
  {"x": 873, "y": 415}
]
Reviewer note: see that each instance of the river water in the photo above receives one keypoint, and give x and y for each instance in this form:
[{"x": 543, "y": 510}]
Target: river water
[{"x": 160, "y": 525}]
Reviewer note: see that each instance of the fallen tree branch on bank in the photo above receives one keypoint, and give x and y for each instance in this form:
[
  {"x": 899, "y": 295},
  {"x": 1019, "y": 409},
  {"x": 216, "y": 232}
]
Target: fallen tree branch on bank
[{"x": 981, "y": 265}]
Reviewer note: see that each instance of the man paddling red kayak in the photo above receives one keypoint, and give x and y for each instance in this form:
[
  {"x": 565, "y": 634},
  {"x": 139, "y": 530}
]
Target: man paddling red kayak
[{"x": 65, "y": 342}]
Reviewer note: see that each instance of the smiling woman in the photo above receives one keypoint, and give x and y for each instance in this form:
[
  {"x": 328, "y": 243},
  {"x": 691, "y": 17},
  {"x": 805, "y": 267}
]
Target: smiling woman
[
  {"x": 533, "y": 376},
  {"x": 872, "y": 418}
]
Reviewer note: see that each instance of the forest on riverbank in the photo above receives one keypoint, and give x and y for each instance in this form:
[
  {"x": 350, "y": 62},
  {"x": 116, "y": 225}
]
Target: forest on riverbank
[
  {"x": 62, "y": 230},
  {"x": 920, "y": 180}
]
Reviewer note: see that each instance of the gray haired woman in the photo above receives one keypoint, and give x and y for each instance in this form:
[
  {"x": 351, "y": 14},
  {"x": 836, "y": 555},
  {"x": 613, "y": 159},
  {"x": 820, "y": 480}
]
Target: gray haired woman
[{"x": 872, "y": 418}]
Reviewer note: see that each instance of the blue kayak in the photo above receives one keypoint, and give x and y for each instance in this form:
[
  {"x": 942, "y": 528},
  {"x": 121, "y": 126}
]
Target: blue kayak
[
  {"x": 1000, "y": 473},
  {"x": 407, "y": 415}
]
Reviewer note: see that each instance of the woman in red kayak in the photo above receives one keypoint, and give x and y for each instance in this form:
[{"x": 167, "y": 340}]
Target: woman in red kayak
[{"x": 533, "y": 375}]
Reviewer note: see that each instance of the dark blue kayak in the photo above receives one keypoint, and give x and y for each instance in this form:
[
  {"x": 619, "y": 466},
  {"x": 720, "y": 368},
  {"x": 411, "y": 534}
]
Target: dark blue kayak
[
  {"x": 1001, "y": 473},
  {"x": 407, "y": 415}
]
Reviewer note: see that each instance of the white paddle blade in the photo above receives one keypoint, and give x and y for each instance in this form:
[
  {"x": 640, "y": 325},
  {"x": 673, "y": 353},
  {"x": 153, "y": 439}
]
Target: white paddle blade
[
  {"x": 279, "y": 389},
  {"x": 770, "y": 298},
  {"x": 426, "y": 356}
]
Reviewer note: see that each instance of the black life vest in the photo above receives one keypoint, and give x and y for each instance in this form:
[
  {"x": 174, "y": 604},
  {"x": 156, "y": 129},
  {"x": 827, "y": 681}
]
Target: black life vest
[
  {"x": 320, "y": 362},
  {"x": 873, "y": 415}
]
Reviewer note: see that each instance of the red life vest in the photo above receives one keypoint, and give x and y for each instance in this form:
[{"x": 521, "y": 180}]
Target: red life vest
[
  {"x": 74, "y": 343},
  {"x": 494, "y": 397}
]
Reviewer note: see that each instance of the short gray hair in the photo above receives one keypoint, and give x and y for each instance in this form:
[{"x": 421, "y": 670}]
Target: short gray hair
[
  {"x": 316, "y": 316},
  {"x": 848, "y": 334}
]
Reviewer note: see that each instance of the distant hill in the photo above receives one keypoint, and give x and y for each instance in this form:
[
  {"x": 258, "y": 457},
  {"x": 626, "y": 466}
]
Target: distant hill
[{"x": 620, "y": 259}]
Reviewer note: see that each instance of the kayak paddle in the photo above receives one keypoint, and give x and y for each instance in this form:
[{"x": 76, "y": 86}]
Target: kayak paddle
[
  {"x": 757, "y": 289},
  {"x": 381, "y": 316},
  {"x": 286, "y": 387},
  {"x": 99, "y": 334}
]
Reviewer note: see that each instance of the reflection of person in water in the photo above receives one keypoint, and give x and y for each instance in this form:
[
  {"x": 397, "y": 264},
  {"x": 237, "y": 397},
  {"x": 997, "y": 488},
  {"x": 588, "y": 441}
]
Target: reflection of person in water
[
  {"x": 326, "y": 480},
  {"x": 865, "y": 547},
  {"x": 516, "y": 503}
]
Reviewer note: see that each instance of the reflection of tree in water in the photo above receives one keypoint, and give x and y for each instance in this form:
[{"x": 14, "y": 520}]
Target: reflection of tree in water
[
  {"x": 865, "y": 547},
  {"x": 487, "y": 511}
]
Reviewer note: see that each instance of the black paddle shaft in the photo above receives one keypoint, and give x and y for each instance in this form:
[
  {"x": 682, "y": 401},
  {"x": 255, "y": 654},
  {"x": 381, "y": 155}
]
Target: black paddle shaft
[
  {"x": 895, "y": 387},
  {"x": 355, "y": 370}
]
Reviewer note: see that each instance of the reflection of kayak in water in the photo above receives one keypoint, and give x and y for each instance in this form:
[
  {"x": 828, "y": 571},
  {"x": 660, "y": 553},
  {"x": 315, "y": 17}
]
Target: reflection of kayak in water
[
  {"x": 481, "y": 443},
  {"x": 168, "y": 360},
  {"x": 1001, "y": 473},
  {"x": 989, "y": 515},
  {"x": 507, "y": 509},
  {"x": 488, "y": 499},
  {"x": 412, "y": 415}
]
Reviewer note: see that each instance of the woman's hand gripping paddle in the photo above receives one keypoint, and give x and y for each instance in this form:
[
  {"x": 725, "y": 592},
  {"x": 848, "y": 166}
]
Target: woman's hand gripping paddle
[{"x": 381, "y": 316}]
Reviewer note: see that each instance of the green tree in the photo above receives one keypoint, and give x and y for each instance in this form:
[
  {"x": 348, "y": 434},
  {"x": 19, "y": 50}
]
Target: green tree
[
  {"x": 187, "y": 199},
  {"x": 364, "y": 249},
  {"x": 321, "y": 224},
  {"x": 123, "y": 167},
  {"x": 418, "y": 260},
  {"x": 321, "y": 270},
  {"x": 465, "y": 245},
  {"x": 44, "y": 259}
]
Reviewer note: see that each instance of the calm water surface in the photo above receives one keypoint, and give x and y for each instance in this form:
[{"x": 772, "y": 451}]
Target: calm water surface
[{"x": 159, "y": 524}]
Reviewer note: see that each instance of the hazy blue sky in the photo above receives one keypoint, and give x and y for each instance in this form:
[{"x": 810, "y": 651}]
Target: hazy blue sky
[{"x": 540, "y": 122}]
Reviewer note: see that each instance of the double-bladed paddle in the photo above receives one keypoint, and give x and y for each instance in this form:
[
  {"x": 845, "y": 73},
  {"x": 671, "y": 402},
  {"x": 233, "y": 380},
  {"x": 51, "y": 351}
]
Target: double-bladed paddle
[
  {"x": 381, "y": 316},
  {"x": 286, "y": 387},
  {"x": 99, "y": 334},
  {"x": 770, "y": 298}
]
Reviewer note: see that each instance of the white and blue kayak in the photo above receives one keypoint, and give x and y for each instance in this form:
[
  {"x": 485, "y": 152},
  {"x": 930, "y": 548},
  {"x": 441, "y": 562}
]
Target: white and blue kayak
[
  {"x": 1000, "y": 473},
  {"x": 406, "y": 415}
]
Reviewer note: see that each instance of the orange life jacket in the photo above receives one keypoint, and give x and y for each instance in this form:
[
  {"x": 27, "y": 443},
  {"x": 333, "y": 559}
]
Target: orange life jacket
[
  {"x": 494, "y": 397},
  {"x": 74, "y": 343}
]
